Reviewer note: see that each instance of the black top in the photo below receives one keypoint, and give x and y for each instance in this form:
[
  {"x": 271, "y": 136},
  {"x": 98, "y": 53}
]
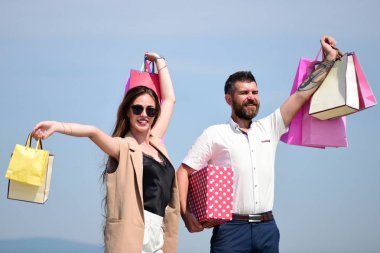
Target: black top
[{"x": 157, "y": 184}]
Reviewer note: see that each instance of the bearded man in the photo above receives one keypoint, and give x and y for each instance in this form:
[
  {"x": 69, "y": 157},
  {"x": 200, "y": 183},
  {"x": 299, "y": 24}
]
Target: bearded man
[{"x": 249, "y": 147}]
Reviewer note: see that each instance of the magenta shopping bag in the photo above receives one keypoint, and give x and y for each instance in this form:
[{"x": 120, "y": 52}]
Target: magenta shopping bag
[
  {"x": 305, "y": 130},
  {"x": 366, "y": 96},
  {"x": 323, "y": 133}
]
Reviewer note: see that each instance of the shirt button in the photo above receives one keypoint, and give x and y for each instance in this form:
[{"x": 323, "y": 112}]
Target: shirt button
[{"x": 255, "y": 185}]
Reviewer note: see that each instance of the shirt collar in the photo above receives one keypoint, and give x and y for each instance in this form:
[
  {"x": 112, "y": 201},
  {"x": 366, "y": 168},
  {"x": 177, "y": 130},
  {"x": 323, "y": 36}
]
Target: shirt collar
[{"x": 235, "y": 126}]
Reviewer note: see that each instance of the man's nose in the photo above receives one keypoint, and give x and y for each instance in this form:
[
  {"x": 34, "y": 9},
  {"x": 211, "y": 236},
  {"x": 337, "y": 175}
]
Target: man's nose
[{"x": 251, "y": 95}]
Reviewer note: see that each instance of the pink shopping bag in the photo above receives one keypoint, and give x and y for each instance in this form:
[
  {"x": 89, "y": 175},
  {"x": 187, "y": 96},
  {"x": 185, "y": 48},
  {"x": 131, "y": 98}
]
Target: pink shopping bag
[
  {"x": 323, "y": 133},
  {"x": 366, "y": 96},
  {"x": 144, "y": 77},
  {"x": 305, "y": 130}
]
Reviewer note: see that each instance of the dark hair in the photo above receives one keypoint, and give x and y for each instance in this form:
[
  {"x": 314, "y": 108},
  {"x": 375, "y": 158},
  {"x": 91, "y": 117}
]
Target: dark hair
[
  {"x": 122, "y": 127},
  {"x": 240, "y": 76}
]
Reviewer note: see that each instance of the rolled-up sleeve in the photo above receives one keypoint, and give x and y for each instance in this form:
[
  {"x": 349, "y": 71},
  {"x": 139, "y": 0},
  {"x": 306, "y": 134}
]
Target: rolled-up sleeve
[
  {"x": 279, "y": 127},
  {"x": 200, "y": 153}
]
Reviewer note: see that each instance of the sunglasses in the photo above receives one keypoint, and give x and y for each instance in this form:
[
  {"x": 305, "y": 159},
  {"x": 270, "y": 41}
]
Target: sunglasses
[{"x": 138, "y": 109}]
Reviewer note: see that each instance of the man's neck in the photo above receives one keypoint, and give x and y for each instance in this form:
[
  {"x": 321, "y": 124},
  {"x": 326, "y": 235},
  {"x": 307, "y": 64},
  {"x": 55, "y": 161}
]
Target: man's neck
[{"x": 243, "y": 124}]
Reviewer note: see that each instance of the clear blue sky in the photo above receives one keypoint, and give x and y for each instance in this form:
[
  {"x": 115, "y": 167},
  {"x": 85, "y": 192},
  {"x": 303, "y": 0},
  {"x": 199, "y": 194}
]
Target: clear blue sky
[{"x": 69, "y": 60}]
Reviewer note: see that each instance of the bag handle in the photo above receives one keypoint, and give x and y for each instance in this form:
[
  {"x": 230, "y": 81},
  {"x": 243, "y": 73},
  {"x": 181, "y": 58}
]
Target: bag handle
[
  {"x": 145, "y": 67},
  {"x": 29, "y": 142},
  {"x": 318, "y": 54}
]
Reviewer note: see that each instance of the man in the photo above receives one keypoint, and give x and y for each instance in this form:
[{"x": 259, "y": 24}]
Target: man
[{"x": 249, "y": 148}]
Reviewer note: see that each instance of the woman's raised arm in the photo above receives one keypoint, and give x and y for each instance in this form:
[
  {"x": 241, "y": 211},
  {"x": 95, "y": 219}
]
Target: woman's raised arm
[{"x": 167, "y": 95}]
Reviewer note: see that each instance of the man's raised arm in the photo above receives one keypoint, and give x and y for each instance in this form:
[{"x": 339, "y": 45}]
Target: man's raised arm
[{"x": 294, "y": 103}]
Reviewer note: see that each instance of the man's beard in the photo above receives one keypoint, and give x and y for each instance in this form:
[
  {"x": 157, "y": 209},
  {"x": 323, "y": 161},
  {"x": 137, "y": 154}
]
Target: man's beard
[{"x": 244, "y": 113}]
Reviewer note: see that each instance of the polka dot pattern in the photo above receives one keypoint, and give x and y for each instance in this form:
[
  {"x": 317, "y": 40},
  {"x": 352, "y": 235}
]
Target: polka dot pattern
[{"x": 210, "y": 195}]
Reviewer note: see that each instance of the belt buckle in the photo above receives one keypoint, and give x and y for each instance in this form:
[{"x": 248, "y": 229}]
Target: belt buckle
[{"x": 254, "y": 218}]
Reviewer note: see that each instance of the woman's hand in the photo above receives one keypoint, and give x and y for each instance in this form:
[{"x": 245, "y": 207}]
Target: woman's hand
[
  {"x": 329, "y": 48},
  {"x": 151, "y": 56},
  {"x": 46, "y": 128}
]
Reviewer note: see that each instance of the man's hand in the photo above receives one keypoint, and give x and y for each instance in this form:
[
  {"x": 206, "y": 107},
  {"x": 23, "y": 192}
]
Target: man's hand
[
  {"x": 191, "y": 222},
  {"x": 329, "y": 48}
]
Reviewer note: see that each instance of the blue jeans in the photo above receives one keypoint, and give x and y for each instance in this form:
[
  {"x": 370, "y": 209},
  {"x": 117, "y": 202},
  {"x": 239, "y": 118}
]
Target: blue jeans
[{"x": 245, "y": 237}]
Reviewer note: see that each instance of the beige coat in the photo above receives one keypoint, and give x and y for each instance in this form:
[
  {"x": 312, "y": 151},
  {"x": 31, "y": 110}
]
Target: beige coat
[{"x": 124, "y": 231}]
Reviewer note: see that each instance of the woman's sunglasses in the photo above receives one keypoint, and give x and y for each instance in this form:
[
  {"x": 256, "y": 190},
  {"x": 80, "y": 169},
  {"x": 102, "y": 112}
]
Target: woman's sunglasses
[{"x": 138, "y": 109}]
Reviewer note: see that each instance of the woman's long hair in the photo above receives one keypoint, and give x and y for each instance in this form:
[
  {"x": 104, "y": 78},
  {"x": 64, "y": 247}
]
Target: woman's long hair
[{"x": 122, "y": 126}]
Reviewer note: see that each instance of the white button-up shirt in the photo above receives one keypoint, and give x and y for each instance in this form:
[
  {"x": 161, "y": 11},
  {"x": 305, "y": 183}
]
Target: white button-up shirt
[{"x": 251, "y": 155}]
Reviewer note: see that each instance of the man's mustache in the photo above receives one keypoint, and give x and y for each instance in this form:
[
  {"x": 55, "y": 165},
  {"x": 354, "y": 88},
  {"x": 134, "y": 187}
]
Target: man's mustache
[{"x": 251, "y": 102}]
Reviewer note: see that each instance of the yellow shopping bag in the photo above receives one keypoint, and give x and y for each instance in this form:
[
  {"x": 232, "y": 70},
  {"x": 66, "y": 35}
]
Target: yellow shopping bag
[
  {"x": 32, "y": 193},
  {"x": 28, "y": 165}
]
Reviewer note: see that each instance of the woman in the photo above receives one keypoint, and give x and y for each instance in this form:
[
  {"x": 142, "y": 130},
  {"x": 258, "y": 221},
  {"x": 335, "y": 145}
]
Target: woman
[{"x": 142, "y": 208}]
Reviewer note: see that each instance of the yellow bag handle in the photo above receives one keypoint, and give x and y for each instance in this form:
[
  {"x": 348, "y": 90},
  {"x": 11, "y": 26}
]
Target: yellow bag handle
[{"x": 29, "y": 142}]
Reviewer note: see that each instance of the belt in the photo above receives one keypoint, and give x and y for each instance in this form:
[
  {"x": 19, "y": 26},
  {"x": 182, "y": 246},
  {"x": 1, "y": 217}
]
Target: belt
[{"x": 268, "y": 216}]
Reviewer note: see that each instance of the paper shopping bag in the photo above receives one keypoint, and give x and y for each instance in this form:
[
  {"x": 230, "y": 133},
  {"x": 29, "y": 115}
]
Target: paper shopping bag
[
  {"x": 324, "y": 133},
  {"x": 366, "y": 96},
  {"x": 338, "y": 94},
  {"x": 305, "y": 130},
  {"x": 144, "y": 77},
  {"x": 211, "y": 194},
  {"x": 28, "y": 165},
  {"x": 32, "y": 193}
]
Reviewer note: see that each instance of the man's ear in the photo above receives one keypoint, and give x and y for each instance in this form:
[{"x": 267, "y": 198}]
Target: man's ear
[{"x": 228, "y": 99}]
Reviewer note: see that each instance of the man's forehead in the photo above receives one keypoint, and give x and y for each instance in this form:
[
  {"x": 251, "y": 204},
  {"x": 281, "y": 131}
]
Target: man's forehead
[{"x": 239, "y": 85}]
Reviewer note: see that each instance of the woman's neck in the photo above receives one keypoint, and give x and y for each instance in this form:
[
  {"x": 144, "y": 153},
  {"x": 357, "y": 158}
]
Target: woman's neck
[
  {"x": 141, "y": 137},
  {"x": 143, "y": 141}
]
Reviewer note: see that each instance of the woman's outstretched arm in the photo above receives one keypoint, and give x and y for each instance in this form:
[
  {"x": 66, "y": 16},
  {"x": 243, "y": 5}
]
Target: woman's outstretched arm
[{"x": 105, "y": 142}]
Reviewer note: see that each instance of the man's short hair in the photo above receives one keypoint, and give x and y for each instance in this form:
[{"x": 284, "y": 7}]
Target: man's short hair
[{"x": 240, "y": 76}]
